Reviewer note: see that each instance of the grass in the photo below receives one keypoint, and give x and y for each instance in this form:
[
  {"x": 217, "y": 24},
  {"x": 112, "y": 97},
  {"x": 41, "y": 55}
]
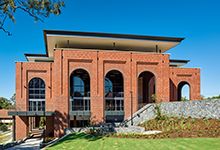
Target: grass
[{"x": 82, "y": 141}]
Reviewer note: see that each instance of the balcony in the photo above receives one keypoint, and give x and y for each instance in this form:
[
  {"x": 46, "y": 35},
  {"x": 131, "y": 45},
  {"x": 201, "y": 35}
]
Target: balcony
[
  {"x": 35, "y": 108},
  {"x": 114, "y": 106},
  {"x": 80, "y": 106},
  {"x": 36, "y": 105}
]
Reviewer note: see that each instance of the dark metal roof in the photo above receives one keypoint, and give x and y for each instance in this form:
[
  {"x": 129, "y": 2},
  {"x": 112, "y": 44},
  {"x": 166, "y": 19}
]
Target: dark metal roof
[
  {"x": 32, "y": 55},
  {"x": 109, "y": 35},
  {"x": 179, "y": 61}
]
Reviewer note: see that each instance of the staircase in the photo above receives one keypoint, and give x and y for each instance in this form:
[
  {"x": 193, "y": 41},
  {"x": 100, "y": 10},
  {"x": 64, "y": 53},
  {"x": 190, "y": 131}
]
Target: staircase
[
  {"x": 37, "y": 133},
  {"x": 144, "y": 114}
]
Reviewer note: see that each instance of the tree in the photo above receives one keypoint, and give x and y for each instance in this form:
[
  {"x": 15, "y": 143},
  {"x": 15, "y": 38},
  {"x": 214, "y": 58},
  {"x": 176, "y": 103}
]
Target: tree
[
  {"x": 214, "y": 97},
  {"x": 184, "y": 99},
  {"x": 202, "y": 97},
  {"x": 38, "y": 9},
  {"x": 5, "y": 103},
  {"x": 13, "y": 99}
]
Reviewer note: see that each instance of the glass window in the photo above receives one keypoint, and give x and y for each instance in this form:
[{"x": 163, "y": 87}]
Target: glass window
[
  {"x": 80, "y": 90},
  {"x": 36, "y": 95},
  {"x": 114, "y": 91}
]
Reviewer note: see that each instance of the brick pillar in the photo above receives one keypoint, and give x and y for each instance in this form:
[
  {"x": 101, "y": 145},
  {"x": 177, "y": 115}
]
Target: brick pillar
[
  {"x": 97, "y": 92},
  {"x": 14, "y": 129},
  {"x": 134, "y": 87},
  {"x": 128, "y": 93},
  {"x": 49, "y": 126},
  {"x": 61, "y": 99},
  {"x": 195, "y": 86},
  {"x": 22, "y": 127},
  {"x": 173, "y": 91}
]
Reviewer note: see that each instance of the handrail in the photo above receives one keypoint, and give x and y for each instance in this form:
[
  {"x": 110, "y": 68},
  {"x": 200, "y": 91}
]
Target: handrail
[{"x": 124, "y": 123}]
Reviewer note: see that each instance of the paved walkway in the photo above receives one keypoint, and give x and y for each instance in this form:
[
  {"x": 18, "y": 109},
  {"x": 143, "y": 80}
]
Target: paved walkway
[
  {"x": 5, "y": 137},
  {"x": 30, "y": 144}
]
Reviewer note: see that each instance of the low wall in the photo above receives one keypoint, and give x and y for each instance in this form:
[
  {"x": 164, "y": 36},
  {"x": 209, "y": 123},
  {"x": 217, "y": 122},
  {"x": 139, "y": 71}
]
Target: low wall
[{"x": 194, "y": 109}]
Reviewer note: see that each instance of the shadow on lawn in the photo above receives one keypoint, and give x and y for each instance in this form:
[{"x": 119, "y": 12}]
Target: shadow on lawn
[{"x": 77, "y": 136}]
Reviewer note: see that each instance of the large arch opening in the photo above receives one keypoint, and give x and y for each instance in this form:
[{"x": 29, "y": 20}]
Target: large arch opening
[
  {"x": 146, "y": 88},
  {"x": 183, "y": 91},
  {"x": 79, "y": 98},
  {"x": 114, "y": 96}
]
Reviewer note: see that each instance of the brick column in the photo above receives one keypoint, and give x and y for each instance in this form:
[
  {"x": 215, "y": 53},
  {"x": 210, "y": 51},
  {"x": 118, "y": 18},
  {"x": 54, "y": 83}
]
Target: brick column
[
  {"x": 97, "y": 92},
  {"x": 22, "y": 126},
  {"x": 60, "y": 94},
  {"x": 49, "y": 126}
]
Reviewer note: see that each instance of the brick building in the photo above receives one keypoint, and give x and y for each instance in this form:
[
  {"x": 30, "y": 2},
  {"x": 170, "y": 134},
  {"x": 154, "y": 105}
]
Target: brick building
[{"x": 89, "y": 77}]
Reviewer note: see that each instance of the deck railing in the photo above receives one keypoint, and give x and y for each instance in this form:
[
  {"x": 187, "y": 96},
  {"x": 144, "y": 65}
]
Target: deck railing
[{"x": 80, "y": 104}]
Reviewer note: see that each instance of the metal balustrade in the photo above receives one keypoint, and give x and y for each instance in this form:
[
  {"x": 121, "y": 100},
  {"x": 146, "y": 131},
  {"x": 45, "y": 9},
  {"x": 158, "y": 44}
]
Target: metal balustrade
[
  {"x": 36, "y": 105},
  {"x": 114, "y": 104},
  {"x": 80, "y": 104}
]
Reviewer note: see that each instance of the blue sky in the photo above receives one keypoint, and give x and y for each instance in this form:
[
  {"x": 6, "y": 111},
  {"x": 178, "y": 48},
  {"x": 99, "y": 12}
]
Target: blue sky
[{"x": 196, "y": 20}]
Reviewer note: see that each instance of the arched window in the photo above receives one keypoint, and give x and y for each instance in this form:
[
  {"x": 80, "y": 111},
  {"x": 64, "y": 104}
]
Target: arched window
[
  {"x": 36, "y": 95},
  {"x": 114, "y": 96},
  {"x": 146, "y": 88},
  {"x": 80, "y": 90},
  {"x": 183, "y": 91},
  {"x": 108, "y": 85},
  {"x": 114, "y": 91}
]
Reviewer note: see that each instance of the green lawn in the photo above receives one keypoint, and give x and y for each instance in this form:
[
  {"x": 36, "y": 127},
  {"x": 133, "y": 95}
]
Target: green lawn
[{"x": 83, "y": 141}]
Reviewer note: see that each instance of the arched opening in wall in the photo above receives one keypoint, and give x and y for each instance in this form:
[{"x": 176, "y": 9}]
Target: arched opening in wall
[
  {"x": 36, "y": 100},
  {"x": 146, "y": 88},
  {"x": 183, "y": 91},
  {"x": 114, "y": 96},
  {"x": 36, "y": 94},
  {"x": 79, "y": 98}
]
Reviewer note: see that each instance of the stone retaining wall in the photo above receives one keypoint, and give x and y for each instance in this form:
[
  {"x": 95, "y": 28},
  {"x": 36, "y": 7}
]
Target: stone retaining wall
[{"x": 194, "y": 109}]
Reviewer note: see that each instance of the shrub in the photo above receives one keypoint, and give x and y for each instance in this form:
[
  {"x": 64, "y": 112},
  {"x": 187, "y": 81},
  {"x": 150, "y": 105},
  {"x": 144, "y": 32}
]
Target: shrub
[
  {"x": 154, "y": 98},
  {"x": 3, "y": 127},
  {"x": 159, "y": 115},
  {"x": 42, "y": 122}
]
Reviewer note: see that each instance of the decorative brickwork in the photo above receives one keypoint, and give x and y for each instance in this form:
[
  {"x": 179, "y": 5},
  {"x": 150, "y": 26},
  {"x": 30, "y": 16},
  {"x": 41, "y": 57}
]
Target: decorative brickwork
[{"x": 98, "y": 63}]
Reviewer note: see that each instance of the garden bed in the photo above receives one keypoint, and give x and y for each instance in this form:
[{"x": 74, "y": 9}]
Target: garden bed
[{"x": 173, "y": 127}]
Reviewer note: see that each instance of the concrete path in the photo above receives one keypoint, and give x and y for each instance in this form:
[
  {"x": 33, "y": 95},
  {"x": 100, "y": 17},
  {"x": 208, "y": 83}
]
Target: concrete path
[
  {"x": 30, "y": 144},
  {"x": 5, "y": 137}
]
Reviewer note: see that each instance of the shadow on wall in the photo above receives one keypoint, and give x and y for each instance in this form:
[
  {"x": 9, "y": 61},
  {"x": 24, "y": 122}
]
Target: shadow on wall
[
  {"x": 173, "y": 91},
  {"x": 96, "y": 122},
  {"x": 60, "y": 123}
]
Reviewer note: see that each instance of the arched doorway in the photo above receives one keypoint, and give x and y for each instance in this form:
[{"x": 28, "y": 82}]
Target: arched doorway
[
  {"x": 183, "y": 91},
  {"x": 79, "y": 98},
  {"x": 114, "y": 96},
  {"x": 146, "y": 88}
]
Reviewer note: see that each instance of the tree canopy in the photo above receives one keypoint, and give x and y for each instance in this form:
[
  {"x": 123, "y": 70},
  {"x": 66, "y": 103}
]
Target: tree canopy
[
  {"x": 5, "y": 103},
  {"x": 38, "y": 9},
  {"x": 214, "y": 97}
]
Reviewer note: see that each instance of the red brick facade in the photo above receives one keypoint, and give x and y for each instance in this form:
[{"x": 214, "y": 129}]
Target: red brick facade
[{"x": 98, "y": 63}]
